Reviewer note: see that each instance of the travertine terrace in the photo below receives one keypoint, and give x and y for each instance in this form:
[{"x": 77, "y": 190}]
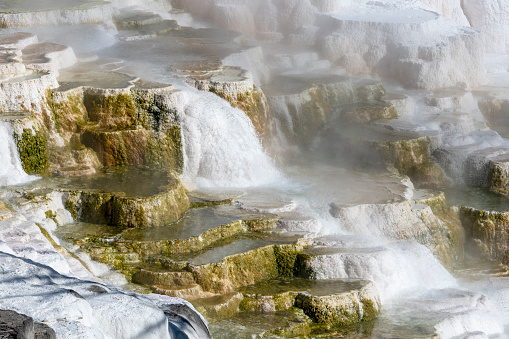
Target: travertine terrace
[{"x": 254, "y": 168}]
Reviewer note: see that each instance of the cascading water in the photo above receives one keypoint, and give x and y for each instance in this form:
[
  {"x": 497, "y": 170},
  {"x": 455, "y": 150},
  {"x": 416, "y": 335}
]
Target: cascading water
[
  {"x": 11, "y": 172},
  {"x": 221, "y": 148},
  {"x": 356, "y": 223}
]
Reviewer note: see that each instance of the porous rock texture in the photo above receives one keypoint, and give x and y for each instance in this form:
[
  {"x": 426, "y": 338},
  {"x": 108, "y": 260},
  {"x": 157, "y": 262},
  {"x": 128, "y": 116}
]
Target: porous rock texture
[
  {"x": 342, "y": 308},
  {"x": 488, "y": 231}
]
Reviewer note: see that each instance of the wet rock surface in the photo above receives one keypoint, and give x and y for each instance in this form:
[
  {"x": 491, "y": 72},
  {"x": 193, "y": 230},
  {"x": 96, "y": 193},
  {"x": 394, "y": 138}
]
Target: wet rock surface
[
  {"x": 165, "y": 203},
  {"x": 77, "y": 110}
]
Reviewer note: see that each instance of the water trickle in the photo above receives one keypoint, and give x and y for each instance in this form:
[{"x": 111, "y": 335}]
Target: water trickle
[{"x": 11, "y": 171}]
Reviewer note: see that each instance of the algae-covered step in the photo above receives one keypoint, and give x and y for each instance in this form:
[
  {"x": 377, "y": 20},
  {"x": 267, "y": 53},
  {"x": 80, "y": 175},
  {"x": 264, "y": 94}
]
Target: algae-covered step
[
  {"x": 237, "y": 267},
  {"x": 188, "y": 292},
  {"x": 216, "y": 307},
  {"x": 157, "y": 275},
  {"x": 334, "y": 302},
  {"x": 131, "y": 18},
  {"x": 158, "y": 200},
  {"x": 150, "y": 31},
  {"x": 201, "y": 230},
  {"x": 238, "y": 247}
]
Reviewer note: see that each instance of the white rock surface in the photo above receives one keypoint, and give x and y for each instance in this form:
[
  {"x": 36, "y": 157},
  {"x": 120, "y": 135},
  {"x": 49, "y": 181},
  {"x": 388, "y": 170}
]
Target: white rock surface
[
  {"x": 450, "y": 313},
  {"x": 88, "y": 13},
  {"x": 48, "y": 57},
  {"x": 491, "y": 17},
  {"x": 25, "y": 92},
  {"x": 76, "y": 308},
  {"x": 451, "y": 9},
  {"x": 403, "y": 40},
  {"x": 38, "y": 281}
]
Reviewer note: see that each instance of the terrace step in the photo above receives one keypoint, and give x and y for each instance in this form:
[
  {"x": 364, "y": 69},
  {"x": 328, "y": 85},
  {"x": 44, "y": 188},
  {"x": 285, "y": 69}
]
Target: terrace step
[
  {"x": 285, "y": 324},
  {"x": 149, "y": 31},
  {"x": 163, "y": 277},
  {"x": 134, "y": 18},
  {"x": 48, "y": 56},
  {"x": 219, "y": 306},
  {"x": 188, "y": 292}
]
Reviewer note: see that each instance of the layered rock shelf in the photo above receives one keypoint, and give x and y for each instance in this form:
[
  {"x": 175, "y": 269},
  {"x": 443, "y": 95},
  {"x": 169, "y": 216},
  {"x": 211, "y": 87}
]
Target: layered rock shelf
[{"x": 157, "y": 206}]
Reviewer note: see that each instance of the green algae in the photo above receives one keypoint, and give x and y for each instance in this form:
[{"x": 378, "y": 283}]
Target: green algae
[
  {"x": 286, "y": 257},
  {"x": 111, "y": 111},
  {"x": 365, "y": 112},
  {"x": 160, "y": 276},
  {"x": 69, "y": 113},
  {"x": 123, "y": 127},
  {"x": 370, "y": 310},
  {"x": 164, "y": 203},
  {"x": 285, "y": 324},
  {"x": 437, "y": 203},
  {"x": 33, "y": 151},
  {"x": 219, "y": 307},
  {"x": 489, "y": 230},
  {"x": 341, "y": 309},
  {"x": 254, "y": 104},
  {"x": 498, "y": 179},
  {"x": 164, "y": 150},
  {"x": 404, "y": 154},
  {"x": 371, "y": 92}
]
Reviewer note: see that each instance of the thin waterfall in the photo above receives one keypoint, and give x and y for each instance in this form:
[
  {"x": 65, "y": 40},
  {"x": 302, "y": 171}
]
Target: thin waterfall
[{"x": 11, "y": 170}]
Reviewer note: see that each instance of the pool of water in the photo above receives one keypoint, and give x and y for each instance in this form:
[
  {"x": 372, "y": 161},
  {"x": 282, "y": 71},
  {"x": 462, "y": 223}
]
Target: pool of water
[
  {"x": 135, "y": 182},
  {"x": 478, "y": 198},
  {"x": 194, "y": 222},
  {"x": 239, "y": 246},
  {"x": 314, "y": 287},
  {"x": 130, "y": 181},
  {"x": 81, "y": 230}
]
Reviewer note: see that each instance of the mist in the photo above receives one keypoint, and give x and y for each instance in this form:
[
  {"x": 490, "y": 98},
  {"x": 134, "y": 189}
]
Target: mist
[{"x": 353, "y": 127}]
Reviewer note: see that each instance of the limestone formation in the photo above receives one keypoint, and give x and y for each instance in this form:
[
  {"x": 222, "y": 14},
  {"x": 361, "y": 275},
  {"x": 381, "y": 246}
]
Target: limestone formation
[
  {"x": 25, "y": 15},
  {"x": 416, "y": 219},
  {"x": 235, "y": 85},
  {"x": 342, "y": 309},
  {"x": 488, "y": 230},
  {"x": 490, "y": 17},
  {"x": 121, "y": 107},
  {"x": 123, "y": 127},
  {"x": 350, "y": 35},
  {"x": 304, "y": 108},
  {"x": 332, "y": 302},
  {"x": 162, "y": 207}
]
